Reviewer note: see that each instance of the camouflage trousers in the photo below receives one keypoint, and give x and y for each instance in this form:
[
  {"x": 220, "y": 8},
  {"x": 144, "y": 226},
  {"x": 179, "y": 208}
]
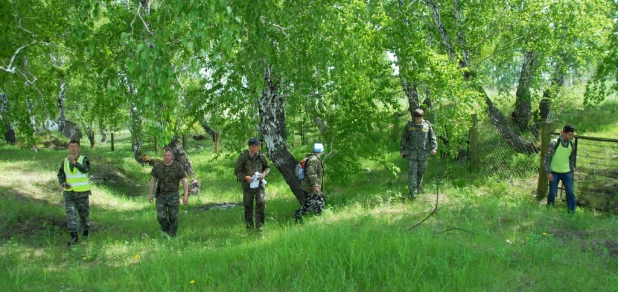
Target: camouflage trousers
[
  {"x": 249, "y": 196},
  {"x": 416, "y": 172},
  {"x": 167, "y": 213},
  {"x": 77, "y": 204},
  {"x": 313, "y": 202}
]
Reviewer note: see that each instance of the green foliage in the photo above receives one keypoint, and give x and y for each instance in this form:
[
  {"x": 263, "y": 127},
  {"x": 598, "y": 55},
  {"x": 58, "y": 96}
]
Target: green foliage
[
  {"x": 599, "y": 88},
  {"x": 165, "y": 68}
]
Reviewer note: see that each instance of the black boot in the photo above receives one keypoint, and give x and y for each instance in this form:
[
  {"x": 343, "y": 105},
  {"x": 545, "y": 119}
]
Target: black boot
[
  {"x": 74, "y": 239},
  {"x": 85, "y": 234}
]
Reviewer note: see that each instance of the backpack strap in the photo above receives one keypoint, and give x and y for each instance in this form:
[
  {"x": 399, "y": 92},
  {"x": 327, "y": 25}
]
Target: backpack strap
[{"x": 558, "y": 142}]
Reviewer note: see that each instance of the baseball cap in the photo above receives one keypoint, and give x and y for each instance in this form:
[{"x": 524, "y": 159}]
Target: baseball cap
[{"x": 254, "y": 142}]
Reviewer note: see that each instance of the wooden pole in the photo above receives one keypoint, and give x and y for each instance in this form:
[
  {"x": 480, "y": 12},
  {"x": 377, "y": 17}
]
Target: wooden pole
[
  {"x": 184, "y": 142},
  {"x": 474, "y": 158},
  {"x": 541, "y": 190},
  {"x": 217, "y": 142},
  {"x": 112, "y": 141}
]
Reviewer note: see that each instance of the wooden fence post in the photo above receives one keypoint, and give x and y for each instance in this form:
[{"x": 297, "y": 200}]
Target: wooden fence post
[
  {"x": 541, "y": 190},
  {"x": 112, "y": 141},
  {"x": 217, "y": 142},
  {"x": 156, "y": 146},
  {"x": 184, "y": 141},
  {"x": 474, "y": 158}
]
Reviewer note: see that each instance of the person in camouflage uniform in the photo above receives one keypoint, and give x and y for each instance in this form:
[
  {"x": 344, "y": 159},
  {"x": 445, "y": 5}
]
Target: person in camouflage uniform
[
  {"x": 249, "y": 163},
  {"x": 312, "y": 183},
  {"x": 73, "y": 178},
  {"x": 559, "y": 164},
  {"x": 166, "y": 176},
  {"x": 417, "y": 142}
]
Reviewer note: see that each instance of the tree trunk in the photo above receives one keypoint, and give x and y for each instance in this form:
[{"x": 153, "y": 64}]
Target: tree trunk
[
  {"x": 272, "y": 126},
  {"x": 516, "y": 142},
  {"x": 9, "y": 134},
  {"x": 89, "y": 134},
  {"x": 437, "y": 18},
  {"x": 523, "y": 97},
  {"x": 135, "y": 127},
  {"x": 103, "y": 136},
  {"x": 216, "y": 136},
  {"x": 411, "y": 91},
  {"x": 550, "y": 93},
  {"x": 61, "y": 120},
  {"x": 146, "y": 6},
  {"x": 181, "y": 156}
]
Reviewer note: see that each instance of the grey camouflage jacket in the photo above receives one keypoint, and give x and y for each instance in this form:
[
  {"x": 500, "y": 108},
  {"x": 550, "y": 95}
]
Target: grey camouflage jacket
[
  {"x": 314, "y": 174},
  {"x": 417, "y": 141},
  {"x": 247, "y": 166}
]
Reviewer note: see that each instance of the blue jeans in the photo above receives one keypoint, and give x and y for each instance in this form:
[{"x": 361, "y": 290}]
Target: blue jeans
[{"x": 567, "y": 182}]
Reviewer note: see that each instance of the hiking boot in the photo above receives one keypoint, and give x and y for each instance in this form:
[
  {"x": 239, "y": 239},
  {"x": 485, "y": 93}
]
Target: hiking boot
[{"x": 74, "y": 239}]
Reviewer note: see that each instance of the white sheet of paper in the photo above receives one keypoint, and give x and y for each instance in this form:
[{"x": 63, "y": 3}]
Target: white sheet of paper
[{"x": 256, "y": 182}]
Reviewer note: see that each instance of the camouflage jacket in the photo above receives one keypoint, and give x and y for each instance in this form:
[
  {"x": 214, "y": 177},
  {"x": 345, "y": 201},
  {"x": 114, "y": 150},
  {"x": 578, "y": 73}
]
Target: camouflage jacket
[
  {"x": 314, "y": 174},
  {"x": 550, "y": 154},
  {"x": 168, "y": 177},
  {"x": 248, "y": 166},
  {"x": 418, "y": 141}
]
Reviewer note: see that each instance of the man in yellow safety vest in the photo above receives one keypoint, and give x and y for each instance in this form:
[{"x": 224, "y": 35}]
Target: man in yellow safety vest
[
  {"x": 73, "y": 178},
  {"x": 559, "y": 165}
]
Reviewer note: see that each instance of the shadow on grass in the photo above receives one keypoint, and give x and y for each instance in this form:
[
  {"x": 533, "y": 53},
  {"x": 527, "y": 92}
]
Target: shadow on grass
[{"x": 24, "y": 216}]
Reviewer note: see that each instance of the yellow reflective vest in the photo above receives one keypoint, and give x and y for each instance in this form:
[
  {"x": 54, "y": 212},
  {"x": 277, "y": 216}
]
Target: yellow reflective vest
[
  {"x": 560, "y": 160},
  {"x": 77, "y": 180}
]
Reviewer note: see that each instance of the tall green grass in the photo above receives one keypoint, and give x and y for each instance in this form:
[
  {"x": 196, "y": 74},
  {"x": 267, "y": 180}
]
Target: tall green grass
[{"x": 487, "y": 233}]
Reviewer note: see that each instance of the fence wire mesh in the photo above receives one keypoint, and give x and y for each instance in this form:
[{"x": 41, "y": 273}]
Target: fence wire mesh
[
  {"x": 497, "y": 158},
  {"x": 596, "y": 177}
]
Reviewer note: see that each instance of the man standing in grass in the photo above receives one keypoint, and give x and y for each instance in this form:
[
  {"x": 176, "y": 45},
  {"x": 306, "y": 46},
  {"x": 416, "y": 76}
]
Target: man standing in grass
[
  {"x": 559, "y": 165},
  {"x": 417, "y": 142},
  {"x": 251, "y": 168},
  {"x": 312, "y": 183},
  {"x": 166, "y": 176},
  {"x": 73, "y": 178}
]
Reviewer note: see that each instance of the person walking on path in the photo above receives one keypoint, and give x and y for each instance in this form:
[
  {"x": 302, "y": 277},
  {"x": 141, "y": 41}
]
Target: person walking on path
[
  {"x": 417, "y": 142},
  {"x": 166, "y": 176},
  {"x": 559, "y": 165},
  {"x": 73, "y": 178},
  {"x": 251, "y": 168},
  {"x": 312, "y": 183}
]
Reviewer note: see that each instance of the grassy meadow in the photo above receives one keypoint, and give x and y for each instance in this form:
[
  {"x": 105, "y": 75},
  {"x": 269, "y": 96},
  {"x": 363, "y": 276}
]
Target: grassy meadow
[{"x": 487, "y": 233}]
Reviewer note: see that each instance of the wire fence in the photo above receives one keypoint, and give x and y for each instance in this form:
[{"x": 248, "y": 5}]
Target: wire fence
[
  {"x": 596, "y": 177},
  {"x": 497, "y": 158}
]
